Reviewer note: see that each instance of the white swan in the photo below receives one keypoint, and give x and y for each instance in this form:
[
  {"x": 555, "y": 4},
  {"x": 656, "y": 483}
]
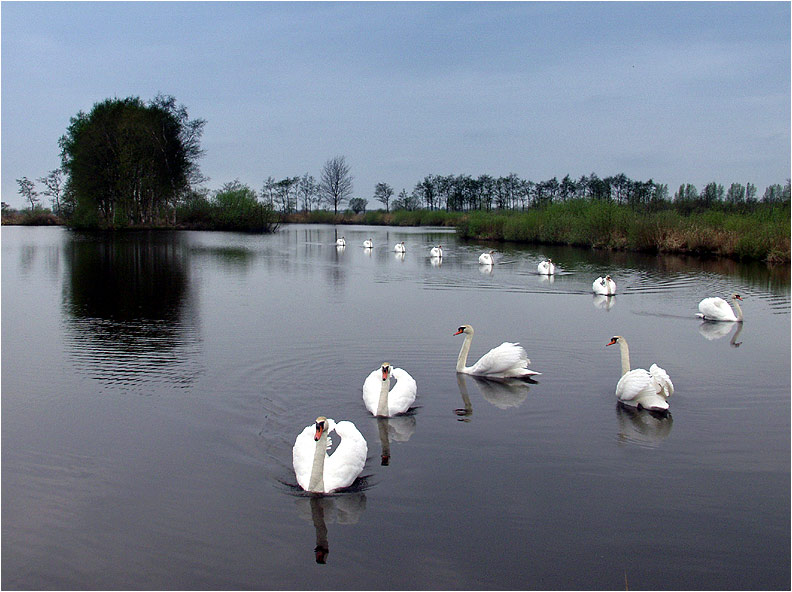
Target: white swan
[
  {"x": 368, "y": 243},
  {"x": 486, "y": 258},
  {"x": 546, "y": 267},
  {"x": 604, "y": 286},
  {"x": 341, "y": 242},
  {"x": 639, "y": 388},
  {"x": 717, "y": 309},
  {"x": 383, "y": 401},
  {"x": 437, "y": 251},
  {"x": 508, "y": 360},
  {"x": 319, "y": 472},
  {"x": 400, "y": 248}
]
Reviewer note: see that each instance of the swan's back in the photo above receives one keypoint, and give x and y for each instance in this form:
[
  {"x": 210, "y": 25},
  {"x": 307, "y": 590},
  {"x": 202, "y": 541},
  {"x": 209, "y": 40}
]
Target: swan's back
[
  {"x": 716, "y": 309},
  {"x": 403, "y": 393},
  {"x": 347, "y": 461},
  {"x": 508, "y": 360},
  {"x": 645, "y": 389}
]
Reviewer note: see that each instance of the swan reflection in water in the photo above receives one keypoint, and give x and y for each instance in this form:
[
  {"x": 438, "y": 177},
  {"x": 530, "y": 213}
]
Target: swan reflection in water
[
  {"x": 503, "y": 393},
  {"x": 400, "y": 256},
  {"x": 547, "y": 279},
  {"x": 486, "y": 268},
  {"x": 394, "y": 429},
  {"x": 345, "y": 508},
  {"x": 603, "y": 302},
  {"x": 712, "y": 330},
  {"x": 641, "y": 426}
]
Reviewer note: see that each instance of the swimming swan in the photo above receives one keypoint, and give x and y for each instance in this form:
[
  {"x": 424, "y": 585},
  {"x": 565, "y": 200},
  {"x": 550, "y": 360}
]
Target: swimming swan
[
  {"x": 717, "y": 309},
  {"x": 508, "y": 360},
  {"x": 486, "y": 258},
  {"x": 383, "y": 401},
  {"x": 368, "y": 243},
  {"x": 319, "y": 472},
  {"x": 400, "y": 248},
  {"x": 604, "y": 286},
  {"x": 341, "y": 242},
  {"x": 436, "y": 251},
  {"x": 546, "y": 267},
  {"x": 639, "y": 388}
]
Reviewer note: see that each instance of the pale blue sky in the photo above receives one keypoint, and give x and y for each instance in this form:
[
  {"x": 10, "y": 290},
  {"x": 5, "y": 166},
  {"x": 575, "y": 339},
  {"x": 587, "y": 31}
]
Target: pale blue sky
[{"x": 677, "y": 92}]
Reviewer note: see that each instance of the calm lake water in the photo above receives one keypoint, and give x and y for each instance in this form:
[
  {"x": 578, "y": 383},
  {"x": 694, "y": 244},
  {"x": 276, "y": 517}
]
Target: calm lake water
[{"x": 153, "y": 385}]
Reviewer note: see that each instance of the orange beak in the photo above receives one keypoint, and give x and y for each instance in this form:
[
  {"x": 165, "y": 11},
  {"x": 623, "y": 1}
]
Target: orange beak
[
  {"x": 319, "y": 430},
  {"x": 612, "y": 341},
  {"x": 384, "y": 374},
  {"x": 458, "y": 332}
]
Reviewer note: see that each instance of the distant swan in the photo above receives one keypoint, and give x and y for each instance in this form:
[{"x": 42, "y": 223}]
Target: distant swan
[
  {"x": 486, "y": 258},
  {"x": 341, "y": 242},
  {"x": 400, "y": 248},
  {"x": 604, "y": 286},
  {"x": 383, "y": 401},
  {"x": 546, "y": 267},
  {"x": 639, "y": 388},
  {"x": 367, "y": 244},
  {"x": 436, "y": 251},
  {"x": 717, "y": 309},
  {"x": 508, "y": 360},
  {"x": 319, "y": 472}
]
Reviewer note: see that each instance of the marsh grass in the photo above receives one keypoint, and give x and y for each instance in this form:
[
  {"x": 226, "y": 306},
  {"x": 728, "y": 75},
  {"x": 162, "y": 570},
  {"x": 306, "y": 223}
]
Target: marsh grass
[{"x": 763, "y": 234}]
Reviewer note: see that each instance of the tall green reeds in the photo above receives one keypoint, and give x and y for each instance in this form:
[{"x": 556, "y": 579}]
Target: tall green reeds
[{"x": 763, "y": 234}]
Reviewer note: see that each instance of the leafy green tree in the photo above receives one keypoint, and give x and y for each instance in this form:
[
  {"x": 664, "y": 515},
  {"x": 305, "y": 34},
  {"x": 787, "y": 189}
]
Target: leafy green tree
[
  {"x": 129, "y": 162},
  {"x": 358, "y": 204}
]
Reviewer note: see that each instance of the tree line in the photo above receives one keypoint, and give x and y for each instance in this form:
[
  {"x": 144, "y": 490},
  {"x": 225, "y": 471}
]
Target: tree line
[{"x": 131, "y": 162}]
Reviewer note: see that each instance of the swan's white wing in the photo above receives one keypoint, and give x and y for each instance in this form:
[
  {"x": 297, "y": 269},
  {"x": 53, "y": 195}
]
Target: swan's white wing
[
  {"x": 371, "y": 390},
  {"x": 663, "y": 385},
  {"x": 506, "y": 360},
  {"x": 347, "y": 462},
  {"x": 599, "y": 286},
  {"x": 303, "y": 455},
  {"x": 402, "y": 395},
  {"x": 716, "y": 309},
  {"x": 637, "y": 387}
]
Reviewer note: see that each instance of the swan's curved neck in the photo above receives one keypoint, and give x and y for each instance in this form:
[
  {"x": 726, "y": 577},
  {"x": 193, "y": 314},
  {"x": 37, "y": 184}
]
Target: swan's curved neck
[
  {"x": 382, "y": 405},
  {"x": 625, "y": 356},
  {"x": 739, "y": 310},
  {"x": 463, "y": 352},
  {"x": 316, "y": 483}
]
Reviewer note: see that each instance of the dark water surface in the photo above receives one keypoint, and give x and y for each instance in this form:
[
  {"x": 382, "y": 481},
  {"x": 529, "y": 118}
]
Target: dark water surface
[{"x": 153, "y": 385}]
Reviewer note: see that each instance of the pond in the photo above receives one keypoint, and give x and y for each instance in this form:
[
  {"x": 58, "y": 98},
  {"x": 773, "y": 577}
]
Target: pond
[{"x": 154, "y": 383}]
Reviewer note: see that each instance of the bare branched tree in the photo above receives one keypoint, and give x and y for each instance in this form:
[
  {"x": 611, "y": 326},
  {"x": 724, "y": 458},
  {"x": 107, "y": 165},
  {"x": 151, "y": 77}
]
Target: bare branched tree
[{"x": 335, "y": 185}]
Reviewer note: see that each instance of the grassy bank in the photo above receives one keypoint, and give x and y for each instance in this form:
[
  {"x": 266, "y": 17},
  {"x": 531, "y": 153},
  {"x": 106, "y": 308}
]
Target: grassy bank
[{"x": 763, "y": 234}]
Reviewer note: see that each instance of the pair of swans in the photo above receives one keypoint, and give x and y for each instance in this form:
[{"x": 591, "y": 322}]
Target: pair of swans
[
  {"x": 400, "y": 248},
  {"x": 319, "y": 472},
  {"x": 717, "y": 309},
  {"x": 604, "y": 286},
  {"x": 437, "y": 252},
  {"x": 640, "y": 388},
  {"x": 546, "y": 267}
]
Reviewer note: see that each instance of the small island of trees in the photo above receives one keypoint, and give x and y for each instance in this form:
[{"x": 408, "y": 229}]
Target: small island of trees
[{"x": 134, "y": 164}]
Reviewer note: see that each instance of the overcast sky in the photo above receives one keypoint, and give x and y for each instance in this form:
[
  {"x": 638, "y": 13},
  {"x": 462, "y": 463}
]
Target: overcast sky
[{"x": 677, "y": 92}]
